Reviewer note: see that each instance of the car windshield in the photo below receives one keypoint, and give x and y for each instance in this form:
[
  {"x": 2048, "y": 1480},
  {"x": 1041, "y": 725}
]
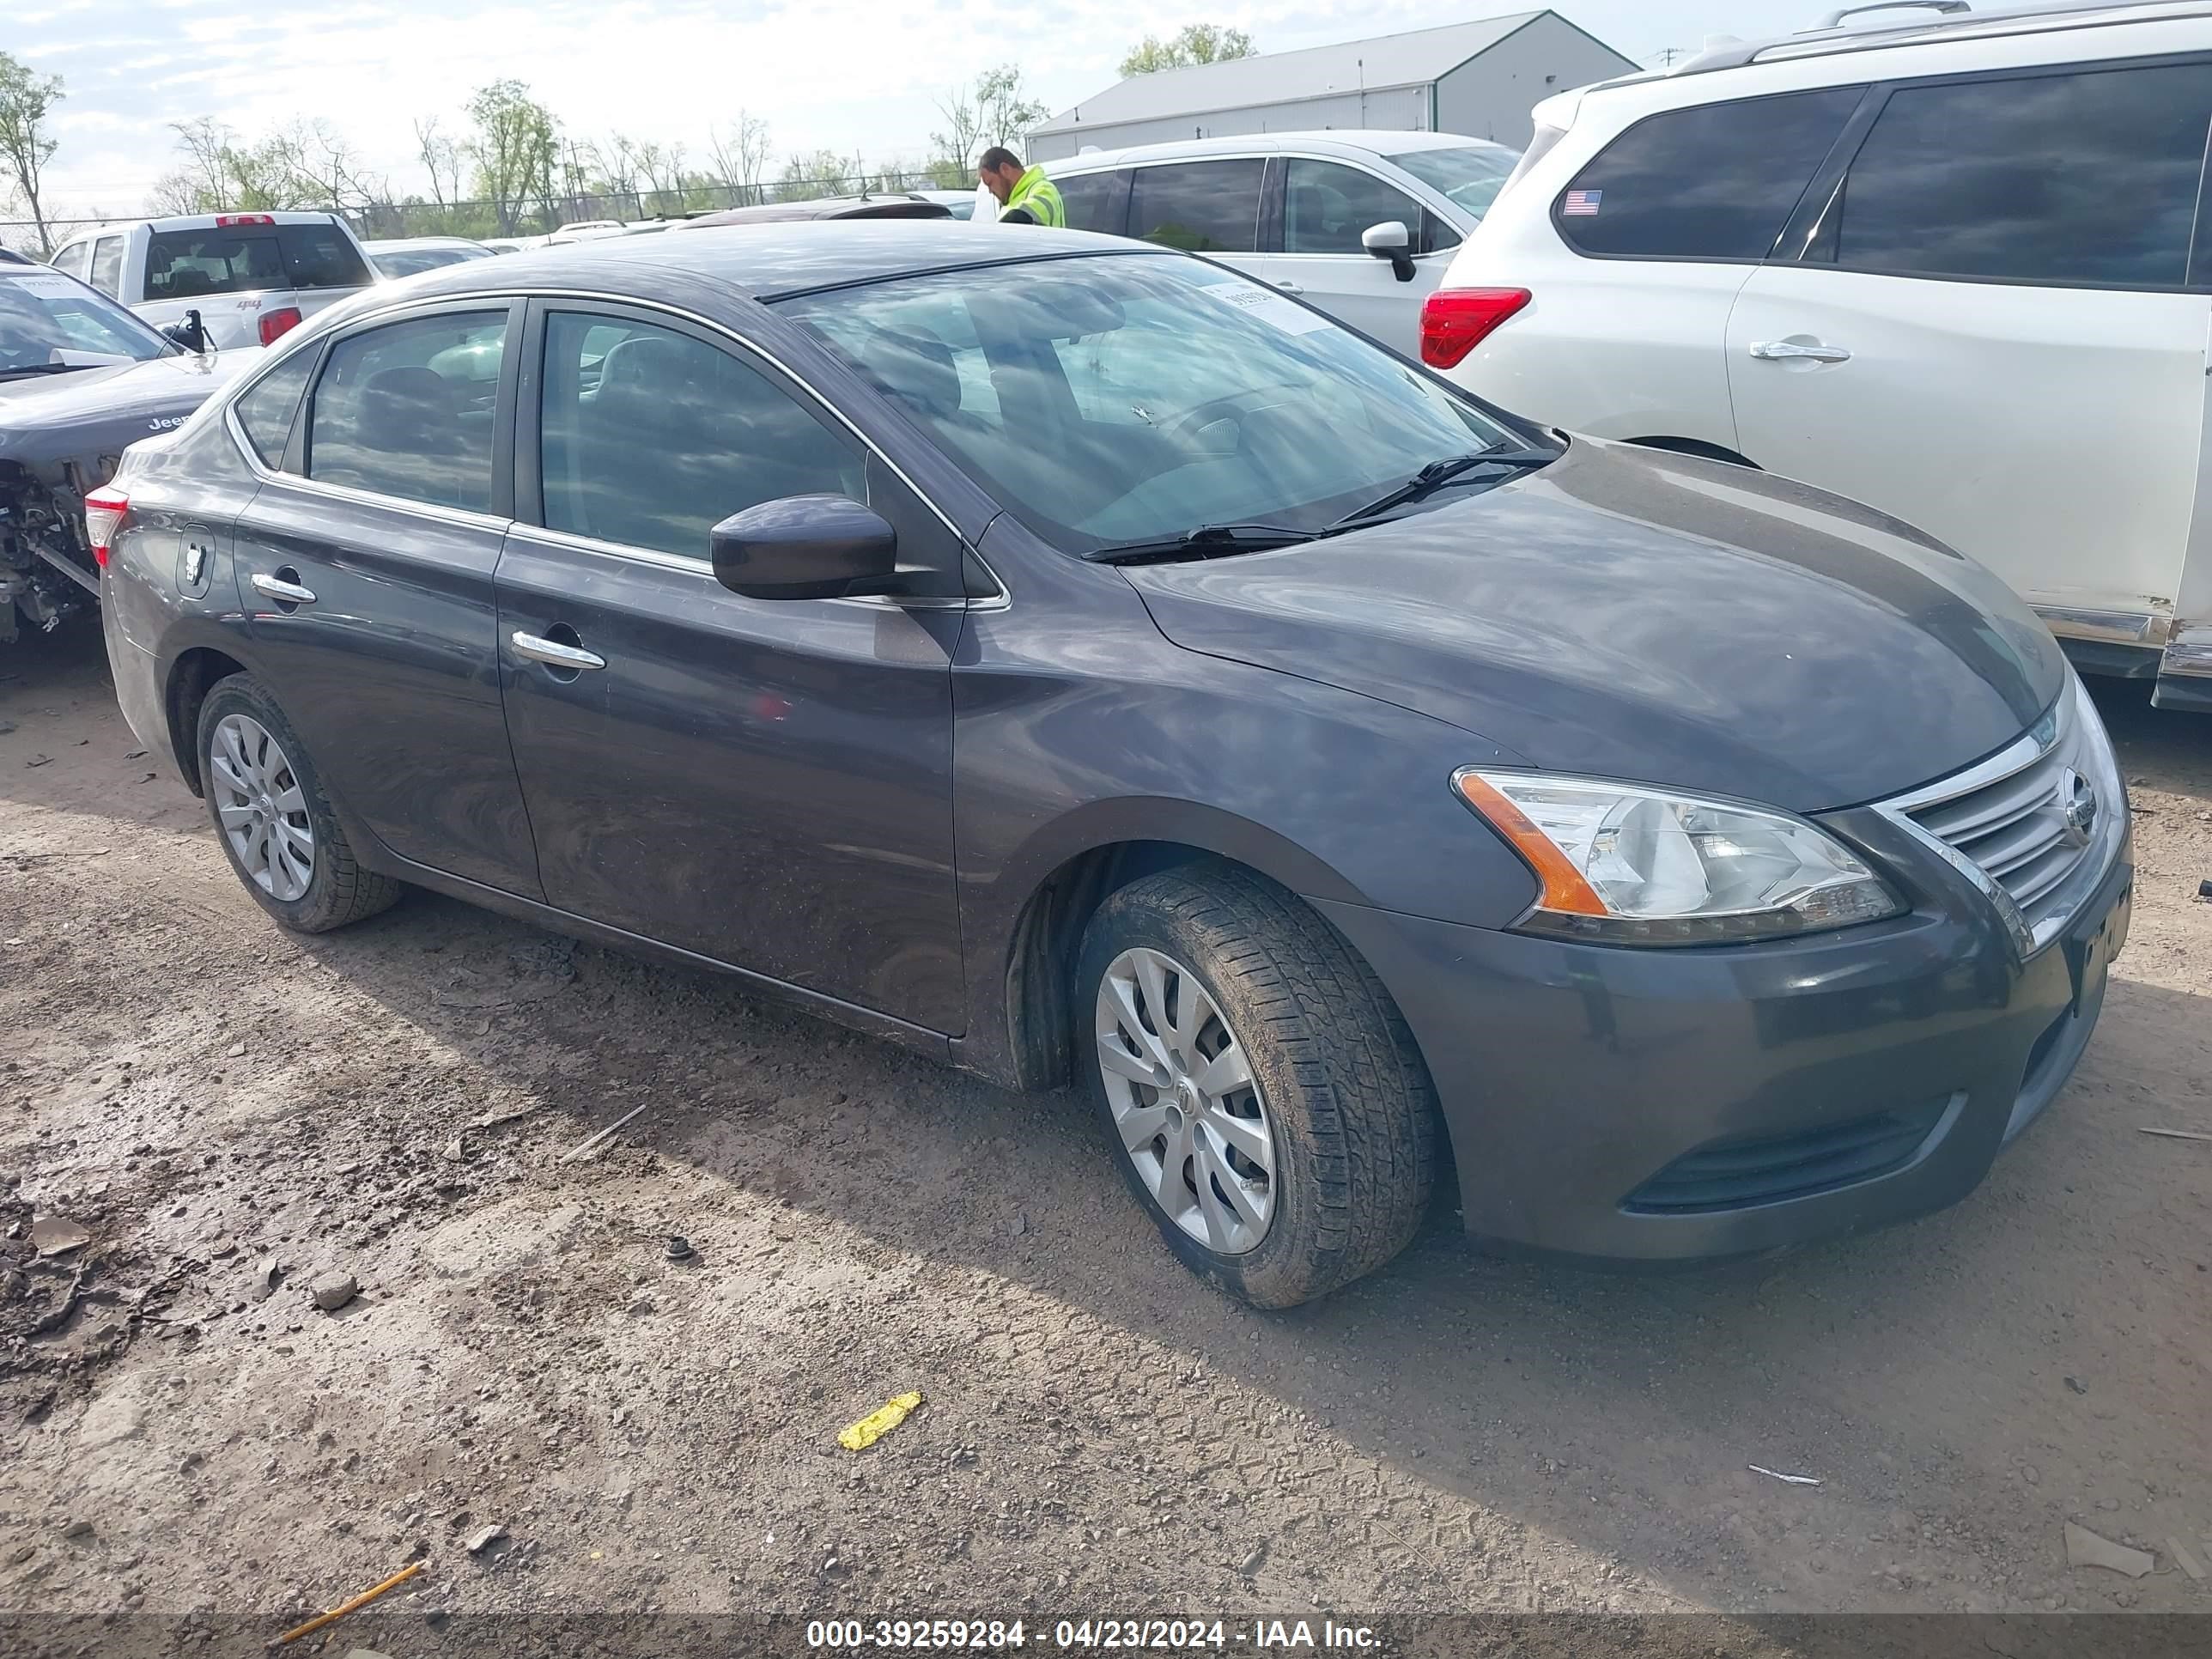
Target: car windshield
[
  {"x": 405, "y": 262},
  {"x": 1118, "y": 399},
  {"x": 1470, "y": 175},
  {"x": 48, "y": 320}
]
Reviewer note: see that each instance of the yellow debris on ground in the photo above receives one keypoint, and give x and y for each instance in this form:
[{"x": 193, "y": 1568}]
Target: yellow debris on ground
[{"x": 859, "y": 1435}]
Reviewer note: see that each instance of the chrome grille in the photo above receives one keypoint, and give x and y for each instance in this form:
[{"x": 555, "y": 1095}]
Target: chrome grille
[{"x": 2032, "y": 818}]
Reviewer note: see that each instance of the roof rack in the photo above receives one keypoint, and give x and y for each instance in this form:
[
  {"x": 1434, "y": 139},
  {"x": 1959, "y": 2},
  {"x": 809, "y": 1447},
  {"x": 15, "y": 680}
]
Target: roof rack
[{"x": 1833, "y": 32}]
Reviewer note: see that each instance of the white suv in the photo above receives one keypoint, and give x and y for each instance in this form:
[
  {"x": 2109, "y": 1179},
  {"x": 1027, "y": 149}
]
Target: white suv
[
  {"x": 251, "y": 276},
  {"x": 1361, "y": 224},
  {"x": 1957, "y": 267}
]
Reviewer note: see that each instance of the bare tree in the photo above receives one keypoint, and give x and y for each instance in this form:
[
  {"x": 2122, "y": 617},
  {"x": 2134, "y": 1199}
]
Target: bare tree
[
  {"x": 993, "y": 111},
  {"x": 963, "y": 134},
  {"x": 325, "y": 172},
  {"x": 441, "y": 159},
  {"x": 26, "y": 101},
  {"x": 740, "y": 155}
]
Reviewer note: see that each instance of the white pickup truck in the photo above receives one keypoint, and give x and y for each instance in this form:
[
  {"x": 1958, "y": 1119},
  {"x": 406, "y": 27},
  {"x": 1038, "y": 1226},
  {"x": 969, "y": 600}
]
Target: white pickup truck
[{"x": 251, "y": 276}]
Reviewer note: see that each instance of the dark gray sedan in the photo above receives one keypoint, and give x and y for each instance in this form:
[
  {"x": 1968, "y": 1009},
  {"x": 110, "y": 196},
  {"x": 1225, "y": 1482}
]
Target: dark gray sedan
[{"x": 1067, "y": 658}]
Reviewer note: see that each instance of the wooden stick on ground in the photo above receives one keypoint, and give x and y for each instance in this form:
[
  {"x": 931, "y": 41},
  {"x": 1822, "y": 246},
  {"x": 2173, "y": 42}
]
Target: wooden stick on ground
[{"x": 360, "y": 1601}]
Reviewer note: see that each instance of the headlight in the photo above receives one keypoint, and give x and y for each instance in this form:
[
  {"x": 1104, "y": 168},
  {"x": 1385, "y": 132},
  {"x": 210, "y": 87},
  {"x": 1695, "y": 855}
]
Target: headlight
[{"x": 1630, "y": 866}]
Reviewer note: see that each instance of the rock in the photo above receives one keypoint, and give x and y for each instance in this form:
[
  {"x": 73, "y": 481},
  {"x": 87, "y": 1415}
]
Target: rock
[
  {"x": 1252, "y": 1562},
  {"x": 2085, "y": 1549},
  {"x": 2075, "y": 1383},
  {"x": 333, "y": 1290},
  {"x": 21, "y": 1553},
  {"x": 53, "y": 1234},
  {"x": 484, "y": 1537},
  {"x": 236, "y": 1051},
  {"x": 79, "y": 1528},
  {"x": 2184, "y": 1559},
  {"x": 455, "y": 1152},
  {"x": 641, "y": 1305},
  {"x": 2030, "y": 1474}
]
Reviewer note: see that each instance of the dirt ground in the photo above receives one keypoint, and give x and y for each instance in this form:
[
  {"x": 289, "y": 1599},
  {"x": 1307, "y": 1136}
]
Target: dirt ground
[{"x": 208, "y": 1098}]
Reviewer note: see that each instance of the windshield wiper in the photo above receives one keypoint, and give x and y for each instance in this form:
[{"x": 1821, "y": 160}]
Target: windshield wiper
[
  {"x": 38, "y": 368},
  {"x": 1436, "y": 474},
  {"x": 1207, "y": 541}
]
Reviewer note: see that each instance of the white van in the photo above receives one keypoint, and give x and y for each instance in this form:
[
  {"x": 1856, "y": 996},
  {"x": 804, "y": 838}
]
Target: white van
[
  {"x": 1957, "y": 266},
  {"x": 1360, "y": 224},
  {"x": 251, "y": 276}
]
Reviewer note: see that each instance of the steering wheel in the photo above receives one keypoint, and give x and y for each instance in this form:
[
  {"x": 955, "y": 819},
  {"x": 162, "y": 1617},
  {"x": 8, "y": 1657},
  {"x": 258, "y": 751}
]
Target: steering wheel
[{"x": 1185, "y": 426}]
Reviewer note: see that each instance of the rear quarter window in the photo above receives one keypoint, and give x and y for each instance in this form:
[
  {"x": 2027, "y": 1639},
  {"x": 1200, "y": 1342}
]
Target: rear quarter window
[{"x": 1714, "y": 182}]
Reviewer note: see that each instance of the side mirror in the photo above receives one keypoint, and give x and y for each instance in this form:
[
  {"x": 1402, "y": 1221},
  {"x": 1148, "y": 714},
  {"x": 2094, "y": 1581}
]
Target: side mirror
[
  {"x": 1391, "y": 240},
  {"x": 805, "y": 547},
  {"x": 191, "y": 333}
]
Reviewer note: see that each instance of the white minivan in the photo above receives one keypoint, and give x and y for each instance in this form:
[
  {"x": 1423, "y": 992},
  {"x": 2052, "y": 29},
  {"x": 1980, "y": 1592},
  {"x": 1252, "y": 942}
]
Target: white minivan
[
  {"x": 1957, "y": 266},
  {"x": 1360, "y": 224},
  {"x": 251, "y": 276}
]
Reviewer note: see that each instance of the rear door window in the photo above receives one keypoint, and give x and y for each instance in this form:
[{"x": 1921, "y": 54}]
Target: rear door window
[
  {"x": 1093, "y": 201},
  {"x": 1714, "y": 182},
  {"x": 1200, "y": 207},
  {"x": 184, "y": 264},
  {"x": 76, "y": 258},
  {"x": 2083, "y": 178},
  {"x": 107, "y": 264},
  {"x": 1327, "y": 206},
  {"x": 407, "y": 410}
]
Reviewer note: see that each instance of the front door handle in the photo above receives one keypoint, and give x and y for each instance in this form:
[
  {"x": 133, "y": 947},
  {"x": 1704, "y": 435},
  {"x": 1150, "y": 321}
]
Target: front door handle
[
  {"x": 553, "y": 653},
  {"x": 282, "y": 591},
  {"x": 1785, "y": 350},
  {"x": 1289, "y": 288}
]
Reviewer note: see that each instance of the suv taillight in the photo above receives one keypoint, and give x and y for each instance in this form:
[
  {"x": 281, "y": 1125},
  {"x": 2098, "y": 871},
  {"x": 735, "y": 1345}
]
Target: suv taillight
[
  {"x": 105, "y": 509},
  {"x": 274, "y": 324},
  {"x": 1455, "y": 320},
  {"x": 225, "y": 221}
]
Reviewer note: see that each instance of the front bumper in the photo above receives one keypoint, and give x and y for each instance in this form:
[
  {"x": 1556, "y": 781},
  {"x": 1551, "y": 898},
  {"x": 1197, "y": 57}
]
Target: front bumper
[{"x": 1672, "y": 1104}]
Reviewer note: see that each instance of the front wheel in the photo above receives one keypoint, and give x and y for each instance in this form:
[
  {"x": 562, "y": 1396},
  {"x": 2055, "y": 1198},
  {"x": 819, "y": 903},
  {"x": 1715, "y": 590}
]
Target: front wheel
[
  {"x": 1265, "y": 1101},
  {"x": 272, "y": 818}
]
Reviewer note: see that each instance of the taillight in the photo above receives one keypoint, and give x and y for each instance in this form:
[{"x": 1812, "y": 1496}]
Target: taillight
[
  {"x": 276, "y": 323},
  {"x": 105, "y": 509},
  {"x": 1455, "y": 320},
  {"x": 224, "y": 219}
]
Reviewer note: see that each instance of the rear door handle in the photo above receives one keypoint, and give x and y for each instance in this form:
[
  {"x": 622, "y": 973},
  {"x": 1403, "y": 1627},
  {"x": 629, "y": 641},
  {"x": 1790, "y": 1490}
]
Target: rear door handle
[
  {"x": 285, "y": 593},
  {"x": 555, "y": 654},
  {"x": 1784, "y": 350}
]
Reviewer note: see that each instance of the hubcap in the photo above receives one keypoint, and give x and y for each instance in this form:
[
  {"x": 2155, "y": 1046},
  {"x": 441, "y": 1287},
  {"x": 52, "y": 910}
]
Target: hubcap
[
  {"x": 263, "y": 811},
  {"x": 1189, "y": 1114}
]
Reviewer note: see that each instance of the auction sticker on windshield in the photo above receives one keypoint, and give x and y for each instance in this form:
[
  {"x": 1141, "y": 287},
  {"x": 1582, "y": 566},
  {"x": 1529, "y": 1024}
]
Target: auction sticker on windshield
[{"x": 1274, "y": 309}]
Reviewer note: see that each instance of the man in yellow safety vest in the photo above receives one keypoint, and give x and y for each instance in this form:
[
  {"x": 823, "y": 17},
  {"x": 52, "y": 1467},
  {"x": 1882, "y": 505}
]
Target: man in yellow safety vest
[{"x": 1025, "y": 196}]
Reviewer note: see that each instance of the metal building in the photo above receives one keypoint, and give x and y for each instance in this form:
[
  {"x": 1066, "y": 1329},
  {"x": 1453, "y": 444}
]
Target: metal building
[{"x": 1479, "y": 78}]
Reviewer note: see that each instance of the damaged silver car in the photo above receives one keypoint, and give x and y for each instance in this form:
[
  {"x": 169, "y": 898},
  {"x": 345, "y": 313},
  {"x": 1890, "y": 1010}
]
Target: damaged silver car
[{"x": 80, "y": 378}]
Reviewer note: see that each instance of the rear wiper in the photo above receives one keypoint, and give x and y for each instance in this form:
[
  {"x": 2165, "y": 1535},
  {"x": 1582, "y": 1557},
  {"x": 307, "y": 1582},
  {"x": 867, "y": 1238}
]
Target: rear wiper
[
  {"x": 38, "y": 369},
  {"x": 1439, "y": 473},
  {"x": 1205, "y": 542}
]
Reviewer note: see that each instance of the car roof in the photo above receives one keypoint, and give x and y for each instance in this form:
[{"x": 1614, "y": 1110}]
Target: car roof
[
  {"x": 825, "y": 206},
  {"x": 1331, "y": 141},
  {"x": 767, "y": 261},
  {"x": 1897, "y": 26}
]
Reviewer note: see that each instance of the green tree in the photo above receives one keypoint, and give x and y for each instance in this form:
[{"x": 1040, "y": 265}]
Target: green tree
[
  {"x": 26, "y": 100},
  {"x": 515, "y": 150},
  {"x": 1198, "y": 43}
]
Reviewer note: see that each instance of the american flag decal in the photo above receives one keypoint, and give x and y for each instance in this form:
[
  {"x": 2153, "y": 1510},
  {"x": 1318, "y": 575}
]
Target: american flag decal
[{"x": 1582, "y": 203}]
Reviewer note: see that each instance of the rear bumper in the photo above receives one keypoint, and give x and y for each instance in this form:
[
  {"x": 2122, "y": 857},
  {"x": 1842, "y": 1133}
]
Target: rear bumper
[{"x": 1667, "y": 1105}]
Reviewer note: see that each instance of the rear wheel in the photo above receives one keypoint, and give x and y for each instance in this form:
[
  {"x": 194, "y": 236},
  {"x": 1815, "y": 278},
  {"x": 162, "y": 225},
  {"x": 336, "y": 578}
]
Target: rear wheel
[
  {"x": 272, "y": 818},
  {"x": 1264, "y": 1098}
]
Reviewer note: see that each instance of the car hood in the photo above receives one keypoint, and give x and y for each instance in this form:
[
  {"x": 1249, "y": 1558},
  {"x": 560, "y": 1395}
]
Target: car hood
[
  {"x": 44, "y": 417},
  {"x": 1632, "y": 614}
]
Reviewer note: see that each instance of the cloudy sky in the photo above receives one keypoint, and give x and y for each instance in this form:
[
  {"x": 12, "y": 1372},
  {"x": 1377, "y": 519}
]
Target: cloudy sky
[{"x": 835, "y": 74}]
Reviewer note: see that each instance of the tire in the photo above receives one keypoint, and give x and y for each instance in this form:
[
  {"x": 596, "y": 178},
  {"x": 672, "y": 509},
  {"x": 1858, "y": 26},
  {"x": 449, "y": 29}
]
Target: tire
[
  {"x": 1338, "y": 1087},
  {"x": 336, "y": 889}
]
